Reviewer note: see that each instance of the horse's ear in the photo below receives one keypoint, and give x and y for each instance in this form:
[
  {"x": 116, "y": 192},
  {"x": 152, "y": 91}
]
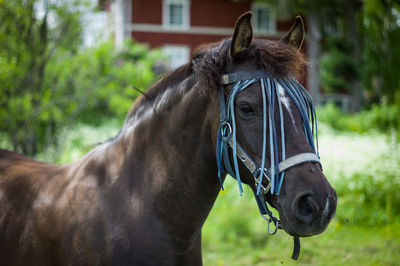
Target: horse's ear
[
  {"x": 243, "y": 34},
  {"x": 295, "y": 36}
]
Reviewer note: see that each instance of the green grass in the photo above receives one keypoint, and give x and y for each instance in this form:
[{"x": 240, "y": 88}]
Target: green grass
[{"x": 336, "y": 246}]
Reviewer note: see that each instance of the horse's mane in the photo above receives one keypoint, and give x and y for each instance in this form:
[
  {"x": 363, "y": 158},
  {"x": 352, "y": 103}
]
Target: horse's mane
[{"x": 209, "y": 63}]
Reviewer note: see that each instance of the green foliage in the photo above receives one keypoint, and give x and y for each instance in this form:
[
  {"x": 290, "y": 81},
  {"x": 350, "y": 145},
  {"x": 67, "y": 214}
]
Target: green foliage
[
  {"x": 381, "y": 36},
  {"x": 78, "y": 139},
  {"x": 333, "y": 116},
  {"x": 46, "y": 82},
  {"x": 27, "y": 45},
  {"x": 384, "y": 117},
  {"x": 103, "y": 78},
  {"x": 337, "y": 67},
  {"x": 381, "y": 118},
  {"x": 371, "y": 197},
  {"x": 233, "y": 226}
]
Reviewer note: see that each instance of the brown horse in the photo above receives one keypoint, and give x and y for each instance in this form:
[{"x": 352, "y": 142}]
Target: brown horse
[{"x": 141, "y": 198}]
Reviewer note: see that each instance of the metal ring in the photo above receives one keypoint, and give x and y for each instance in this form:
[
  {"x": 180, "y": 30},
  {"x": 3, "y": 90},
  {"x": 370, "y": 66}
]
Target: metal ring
[
  {"x": 276, "y": 224},
  {"x": 223, "y": 127},
  {"x": 265, "y": 218}
]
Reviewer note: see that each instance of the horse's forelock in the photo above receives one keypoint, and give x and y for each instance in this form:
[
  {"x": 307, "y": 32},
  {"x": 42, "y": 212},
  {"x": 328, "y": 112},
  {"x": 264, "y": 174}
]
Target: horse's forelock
[{"x": 278, "y": 58}]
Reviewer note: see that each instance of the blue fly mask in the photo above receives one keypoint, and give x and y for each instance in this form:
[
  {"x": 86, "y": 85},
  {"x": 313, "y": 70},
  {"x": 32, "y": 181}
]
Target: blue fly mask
[{"x": 226, "y": 140}]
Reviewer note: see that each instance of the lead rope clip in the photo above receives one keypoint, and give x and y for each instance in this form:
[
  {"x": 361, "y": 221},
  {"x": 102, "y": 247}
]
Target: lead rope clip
[{"x": 274, "y": 220}]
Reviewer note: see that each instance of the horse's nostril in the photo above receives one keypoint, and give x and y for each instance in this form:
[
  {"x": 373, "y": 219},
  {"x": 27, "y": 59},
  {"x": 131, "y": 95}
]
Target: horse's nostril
[{"x": 304, "y": 208}]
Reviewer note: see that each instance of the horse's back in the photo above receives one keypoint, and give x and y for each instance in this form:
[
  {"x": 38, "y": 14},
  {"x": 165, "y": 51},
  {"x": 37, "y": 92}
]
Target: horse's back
[
  {"x": 15, "y": 164},
  {"x": 22, "y": 178},
  {"x": 21, "y": 181},
  {"x": 6, "y": 154}
]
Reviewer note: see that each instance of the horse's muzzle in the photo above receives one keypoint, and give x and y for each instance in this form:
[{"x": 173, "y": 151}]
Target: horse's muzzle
[
  {"x": 307, "y": 202},
  {"x": 310, "y": 215},
  {"x": 307, "y": 210}
]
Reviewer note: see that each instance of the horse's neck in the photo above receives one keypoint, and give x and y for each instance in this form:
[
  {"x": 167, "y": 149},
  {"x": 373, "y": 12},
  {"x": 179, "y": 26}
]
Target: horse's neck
[{"x": 169, "y": 160}]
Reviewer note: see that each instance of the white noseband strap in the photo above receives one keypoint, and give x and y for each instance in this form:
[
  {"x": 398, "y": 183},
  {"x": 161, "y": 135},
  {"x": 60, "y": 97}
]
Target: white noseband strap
[{"x": 298, "y": 159}]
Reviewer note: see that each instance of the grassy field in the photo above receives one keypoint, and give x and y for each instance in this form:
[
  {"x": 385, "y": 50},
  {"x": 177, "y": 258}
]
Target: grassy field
[{"x": 235, "y": 234}]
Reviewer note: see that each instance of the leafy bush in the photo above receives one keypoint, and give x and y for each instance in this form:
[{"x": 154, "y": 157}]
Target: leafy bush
[
  {"x": 381, "y": 118},
  {"x": 384, "y": 117},
  {"x": 371, "y": 197},
  {"x": 46, "y": 82},
  {"x": 29, "y": 112},
  {"x": 236, "y": 220},
  {"x": 103, "y": 78},
  {"x": 86, "y": 86},
  {"x": 333, "y": 116}
]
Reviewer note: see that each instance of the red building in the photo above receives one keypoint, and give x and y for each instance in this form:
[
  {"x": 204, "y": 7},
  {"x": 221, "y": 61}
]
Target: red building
[{"x": 178, "y": 26}]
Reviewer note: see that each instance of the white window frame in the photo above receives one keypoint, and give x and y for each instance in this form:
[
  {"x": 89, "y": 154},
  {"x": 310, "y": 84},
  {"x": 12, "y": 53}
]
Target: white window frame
[
  {"x": 185, "y": 14},
  {"x": 272, "y": 19},
  {"x": 179, "y": 50}
]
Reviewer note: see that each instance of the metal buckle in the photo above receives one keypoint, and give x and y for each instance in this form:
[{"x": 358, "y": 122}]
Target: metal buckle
[
  {"x": 225, "y": 79},
  {"x": 265, "y": 189},
  {"x": 265, "y": 174}
]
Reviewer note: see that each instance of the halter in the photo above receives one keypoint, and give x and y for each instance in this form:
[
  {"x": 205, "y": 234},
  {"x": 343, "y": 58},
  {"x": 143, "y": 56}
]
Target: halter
[{"x": 226, "y": 139}]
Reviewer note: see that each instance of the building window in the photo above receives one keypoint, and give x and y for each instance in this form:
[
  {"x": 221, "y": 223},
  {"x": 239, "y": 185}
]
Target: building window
[
  {"x": 177, "y": 55},
  {"x": 176, "y": 14},
  {"x": 264, "y": 20}
]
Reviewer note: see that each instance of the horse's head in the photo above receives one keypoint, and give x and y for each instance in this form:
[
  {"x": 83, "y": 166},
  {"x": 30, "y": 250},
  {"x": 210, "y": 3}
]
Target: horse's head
[{"x": 267, "y": 120}]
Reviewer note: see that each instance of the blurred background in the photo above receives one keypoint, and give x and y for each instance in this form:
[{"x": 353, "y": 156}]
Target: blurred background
[{"x": 68, "y": 69}]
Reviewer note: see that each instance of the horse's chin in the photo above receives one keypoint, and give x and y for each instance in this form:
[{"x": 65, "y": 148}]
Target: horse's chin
[{"x": 299, "y": 229}]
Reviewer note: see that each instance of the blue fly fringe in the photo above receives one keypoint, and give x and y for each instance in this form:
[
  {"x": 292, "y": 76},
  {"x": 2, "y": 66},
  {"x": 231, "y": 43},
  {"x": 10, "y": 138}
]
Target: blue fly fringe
[{"x": 270, "y": 95}]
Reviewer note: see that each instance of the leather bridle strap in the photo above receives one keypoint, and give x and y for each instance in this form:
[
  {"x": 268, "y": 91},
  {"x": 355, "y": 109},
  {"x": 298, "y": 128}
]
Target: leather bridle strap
[
  {"x": 298, "y": 159},
  {"x": 244, "y": 75}
]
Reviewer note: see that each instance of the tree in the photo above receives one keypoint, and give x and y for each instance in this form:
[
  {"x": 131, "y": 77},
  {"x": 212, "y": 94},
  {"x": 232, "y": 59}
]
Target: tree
[
  {"x": 47, "y": 81},
  {"x": 381, "y": 36},
  {"x": 312, "y": 10},
  {"x": 338, "y": 68},
  {"x": 320, "y": 15},
  {"x": 29, "y": 110}
]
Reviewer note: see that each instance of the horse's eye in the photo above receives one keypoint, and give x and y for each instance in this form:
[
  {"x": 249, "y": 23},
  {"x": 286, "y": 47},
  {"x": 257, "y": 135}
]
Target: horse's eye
[{"x": 245, "y": 108}]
